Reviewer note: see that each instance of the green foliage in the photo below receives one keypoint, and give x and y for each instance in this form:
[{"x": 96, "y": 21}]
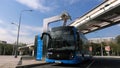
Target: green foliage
[
  {"x": 114, "y": 47},
  {"x": 118, "y": 39},
  {"x": 6, "y": 49},
  {"x": 95, "y": 48}
]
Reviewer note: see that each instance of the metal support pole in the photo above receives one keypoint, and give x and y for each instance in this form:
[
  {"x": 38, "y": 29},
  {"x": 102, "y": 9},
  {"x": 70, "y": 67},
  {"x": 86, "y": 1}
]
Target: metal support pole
[
  {"x": 16, "y": 47},
  {"x": 101, "y": 48}
]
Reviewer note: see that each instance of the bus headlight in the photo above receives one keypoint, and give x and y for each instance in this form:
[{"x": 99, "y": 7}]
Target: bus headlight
[
  {"x": 49, "y": 53},
  {"x": 71, "y": 56}
]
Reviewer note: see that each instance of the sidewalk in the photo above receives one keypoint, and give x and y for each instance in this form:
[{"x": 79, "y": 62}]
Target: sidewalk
[
  {"x": 27, "y": 62},
  {"x": 11, "y": 62},
  {"x": 8, "y": 61},
  {"x": 106, "y": 56},
  {"x": 30, "y": 63}
]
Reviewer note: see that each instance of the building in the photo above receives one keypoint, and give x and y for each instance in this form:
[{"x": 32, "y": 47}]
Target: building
[
  {"x": 3, "y": 42},
  {"x": 26, "y": 50},
  {"x": 99, "y": 40}
]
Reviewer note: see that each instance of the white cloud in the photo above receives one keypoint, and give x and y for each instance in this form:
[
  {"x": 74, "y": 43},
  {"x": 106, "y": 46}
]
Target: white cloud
[
  {"x": 22, "y": 33},
  {"x": 118, "y": 25},
  {"x": 27, "y": 33},
  {"x": 32, "y": 28},
  {"x": 5, "y": 36},
  {"x": 1, "y": 22},
  {"x": 3, "y": 31},
  {"x": 72, "y": 1},
  {"x": 35, "y": 4},
  {"x": 46, "y": 5}
]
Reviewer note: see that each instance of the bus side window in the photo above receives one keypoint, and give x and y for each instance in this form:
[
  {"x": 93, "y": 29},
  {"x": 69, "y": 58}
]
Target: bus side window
[
  {"x": 79, "y": 41},
  {"x": 78, "y": 37}
]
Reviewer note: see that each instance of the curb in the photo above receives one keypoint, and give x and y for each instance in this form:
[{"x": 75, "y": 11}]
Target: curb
[
  {"x": 30, "y": 65},
  {"x": 106, "y": 56}
]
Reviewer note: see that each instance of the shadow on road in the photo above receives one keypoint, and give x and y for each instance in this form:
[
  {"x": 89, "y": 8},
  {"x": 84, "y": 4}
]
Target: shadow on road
[{"x": 83, "y": 65}]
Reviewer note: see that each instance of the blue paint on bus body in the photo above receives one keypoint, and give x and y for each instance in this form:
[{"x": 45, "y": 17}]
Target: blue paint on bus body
[{"x": 39, "y": 48}]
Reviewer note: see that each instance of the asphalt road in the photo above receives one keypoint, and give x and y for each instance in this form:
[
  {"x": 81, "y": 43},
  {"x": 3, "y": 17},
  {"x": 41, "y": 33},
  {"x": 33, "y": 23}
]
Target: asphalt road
[{"x": 94, "y": 63}]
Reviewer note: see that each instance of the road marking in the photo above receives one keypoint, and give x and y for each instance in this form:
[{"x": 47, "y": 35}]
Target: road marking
[{"x": 90, "y": 64}]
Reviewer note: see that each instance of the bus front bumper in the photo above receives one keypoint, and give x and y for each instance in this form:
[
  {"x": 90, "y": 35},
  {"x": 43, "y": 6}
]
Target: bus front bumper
[{"x": 73, "y": 61}]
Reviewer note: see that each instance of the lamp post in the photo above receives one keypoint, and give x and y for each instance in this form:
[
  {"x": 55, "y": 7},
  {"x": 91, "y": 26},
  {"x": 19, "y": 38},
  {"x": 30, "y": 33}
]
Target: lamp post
[
  {"x": 100, "y": 41},
  {"x": 101, "y": 47},
  {"x": 16, "y": 47}
]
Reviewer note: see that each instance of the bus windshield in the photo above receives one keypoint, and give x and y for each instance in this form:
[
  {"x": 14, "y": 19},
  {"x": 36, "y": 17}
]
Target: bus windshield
[{"x": 62, "y": 39}]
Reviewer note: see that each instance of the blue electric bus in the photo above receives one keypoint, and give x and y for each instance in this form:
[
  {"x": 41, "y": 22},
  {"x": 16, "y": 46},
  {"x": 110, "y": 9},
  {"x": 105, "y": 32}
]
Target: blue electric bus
[{"x": 66, "y": 45}]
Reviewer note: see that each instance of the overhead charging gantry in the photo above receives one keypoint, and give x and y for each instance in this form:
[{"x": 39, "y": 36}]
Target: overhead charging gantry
[{"x": 64, "y": 16}]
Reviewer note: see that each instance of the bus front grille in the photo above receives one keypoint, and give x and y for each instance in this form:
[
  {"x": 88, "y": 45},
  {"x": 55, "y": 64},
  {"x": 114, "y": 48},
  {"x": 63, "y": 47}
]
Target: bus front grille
[{"x": 59, "y": 55}]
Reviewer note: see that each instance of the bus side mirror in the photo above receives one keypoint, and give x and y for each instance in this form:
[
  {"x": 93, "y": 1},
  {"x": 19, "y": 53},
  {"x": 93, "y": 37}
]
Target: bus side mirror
[{"x": 43, "y": 34}]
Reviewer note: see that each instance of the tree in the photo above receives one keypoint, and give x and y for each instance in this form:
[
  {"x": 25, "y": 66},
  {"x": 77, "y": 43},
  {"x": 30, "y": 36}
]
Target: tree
[
  {"x": 118, "y": 39},
  {"x": 6, "y": 49},
  {"x": 95, "y": 48}
]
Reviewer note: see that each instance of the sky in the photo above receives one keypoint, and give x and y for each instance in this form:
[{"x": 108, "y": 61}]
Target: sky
[{"x": 32, "y": 22}]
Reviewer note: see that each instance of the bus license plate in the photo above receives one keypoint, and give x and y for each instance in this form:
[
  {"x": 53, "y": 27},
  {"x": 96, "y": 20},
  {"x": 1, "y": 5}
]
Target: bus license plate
[{"x": 57, "y": 61}]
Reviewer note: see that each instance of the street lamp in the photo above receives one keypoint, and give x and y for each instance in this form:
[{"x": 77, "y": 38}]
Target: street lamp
[
  {"x": 16, "y": 47},
  {"x": 101, "y": 46},
  {"x": 13, "y": 53}
]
